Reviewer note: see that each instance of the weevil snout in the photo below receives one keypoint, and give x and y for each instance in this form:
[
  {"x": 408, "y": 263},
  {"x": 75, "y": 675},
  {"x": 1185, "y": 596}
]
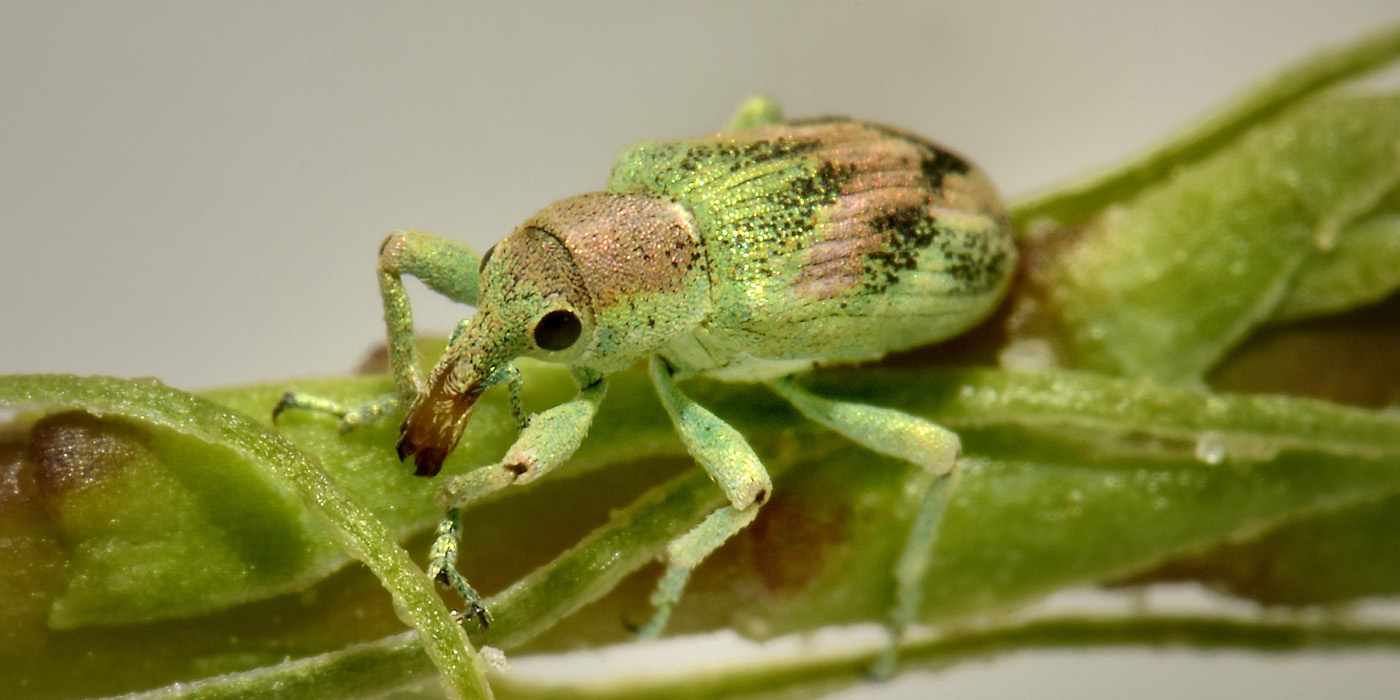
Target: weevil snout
[
  {"x": 431, "y": 440},
  {"x": 439, "y": 414}
]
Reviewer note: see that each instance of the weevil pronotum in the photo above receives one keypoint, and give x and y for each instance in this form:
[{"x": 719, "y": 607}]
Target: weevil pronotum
[{"x": 749, "y": 255}]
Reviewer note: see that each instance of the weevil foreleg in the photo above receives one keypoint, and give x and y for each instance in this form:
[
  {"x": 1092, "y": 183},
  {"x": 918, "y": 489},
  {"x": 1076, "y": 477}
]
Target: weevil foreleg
[
  {"x": 545, "y": 442},
  {"x": 931, "y": 447},
  {"x": 445, "y": 266},
  {"x": 724, "y": 453}
]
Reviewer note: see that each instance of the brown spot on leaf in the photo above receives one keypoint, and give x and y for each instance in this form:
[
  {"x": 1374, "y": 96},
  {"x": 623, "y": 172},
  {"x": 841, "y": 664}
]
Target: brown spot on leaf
[
  {"x": 790, "y": 543},
  {"x": 74, "y": 450}
]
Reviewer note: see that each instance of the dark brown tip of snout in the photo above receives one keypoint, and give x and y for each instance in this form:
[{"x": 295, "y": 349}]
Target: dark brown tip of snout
[
  {"x": 433, "y": 426},
  {"x": 427, "y": 460}
]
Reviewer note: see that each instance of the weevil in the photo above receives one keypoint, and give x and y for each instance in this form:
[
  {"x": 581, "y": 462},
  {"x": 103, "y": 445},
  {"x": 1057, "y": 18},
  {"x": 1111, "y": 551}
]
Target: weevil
[{"x": 748, "y": 255}]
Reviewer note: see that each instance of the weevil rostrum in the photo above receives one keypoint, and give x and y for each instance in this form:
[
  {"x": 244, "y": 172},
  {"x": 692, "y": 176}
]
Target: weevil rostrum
[{"x": 749, "y": 255}]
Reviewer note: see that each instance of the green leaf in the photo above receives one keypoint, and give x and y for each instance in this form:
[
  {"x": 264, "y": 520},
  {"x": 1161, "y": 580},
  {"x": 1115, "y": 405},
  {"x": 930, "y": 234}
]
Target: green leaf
[
  {"x": 1076, "y": 479},
  {"x": 167, "y": 525},
  {"x": 1163, "y": 286}
]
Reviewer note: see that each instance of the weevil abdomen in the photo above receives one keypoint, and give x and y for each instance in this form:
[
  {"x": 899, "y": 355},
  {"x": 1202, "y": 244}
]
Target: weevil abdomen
[{"x": 828, "y": 241}]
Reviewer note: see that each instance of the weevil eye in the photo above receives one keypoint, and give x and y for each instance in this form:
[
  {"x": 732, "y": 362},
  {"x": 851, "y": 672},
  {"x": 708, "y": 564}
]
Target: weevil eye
[
  {"x": 485, "y": 256},
  {"x": 557, "y": 330}
]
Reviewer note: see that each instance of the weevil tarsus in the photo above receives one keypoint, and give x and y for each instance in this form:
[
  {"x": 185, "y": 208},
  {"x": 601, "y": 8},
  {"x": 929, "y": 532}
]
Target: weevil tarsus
[
  {"x": 351, "y": 416},
  {"x": 546, "y": 441}
]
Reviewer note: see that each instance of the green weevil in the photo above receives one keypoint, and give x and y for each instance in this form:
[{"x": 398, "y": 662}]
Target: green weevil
[{"x": 749, "y": 255}]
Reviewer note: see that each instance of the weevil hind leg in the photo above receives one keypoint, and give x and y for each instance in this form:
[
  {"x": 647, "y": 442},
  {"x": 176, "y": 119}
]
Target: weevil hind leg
[
  {"x": 911, "y": 569},
  {"x": 445, "y": 266},
  {"x": 729, "y": 459},
  {"x": 931, "y": 447}
]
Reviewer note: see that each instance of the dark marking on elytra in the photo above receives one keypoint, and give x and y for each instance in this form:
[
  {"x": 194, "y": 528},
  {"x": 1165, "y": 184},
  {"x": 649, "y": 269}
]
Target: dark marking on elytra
[
  {"x": 737, "y": 155},
  {"x": 967, "y": 257},
  {"x": 907, "y": 232}
]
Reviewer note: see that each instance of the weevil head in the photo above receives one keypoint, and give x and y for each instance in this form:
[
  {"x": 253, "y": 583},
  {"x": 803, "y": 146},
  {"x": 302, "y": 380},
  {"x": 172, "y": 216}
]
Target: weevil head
[{"x": 598, "y": 281}]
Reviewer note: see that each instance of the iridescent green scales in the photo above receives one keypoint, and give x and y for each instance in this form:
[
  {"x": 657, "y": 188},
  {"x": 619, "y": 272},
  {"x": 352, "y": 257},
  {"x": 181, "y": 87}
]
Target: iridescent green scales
[{"x": 748, "y": 255}]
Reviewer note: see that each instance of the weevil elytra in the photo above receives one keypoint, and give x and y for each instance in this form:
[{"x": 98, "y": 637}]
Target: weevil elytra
[{"x": 749, "y": 255}]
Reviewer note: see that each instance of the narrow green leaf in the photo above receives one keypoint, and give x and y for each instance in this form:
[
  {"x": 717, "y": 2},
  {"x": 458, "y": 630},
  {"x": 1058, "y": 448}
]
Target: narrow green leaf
[
  {"x": 359, "y": 671},
  {"x": 807, "y": 676}
]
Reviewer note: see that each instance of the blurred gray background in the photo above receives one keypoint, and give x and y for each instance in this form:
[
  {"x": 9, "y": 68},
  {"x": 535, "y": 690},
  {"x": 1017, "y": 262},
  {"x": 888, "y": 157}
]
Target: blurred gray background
[{"x": 197, "y": 191}]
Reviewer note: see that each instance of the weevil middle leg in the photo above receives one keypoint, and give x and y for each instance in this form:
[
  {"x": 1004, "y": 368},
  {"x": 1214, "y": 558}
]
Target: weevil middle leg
[
  {"x": 729, "y": 459},
  {"x": 445, "y": 266},
  {"x": 929, "y": 446}
]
